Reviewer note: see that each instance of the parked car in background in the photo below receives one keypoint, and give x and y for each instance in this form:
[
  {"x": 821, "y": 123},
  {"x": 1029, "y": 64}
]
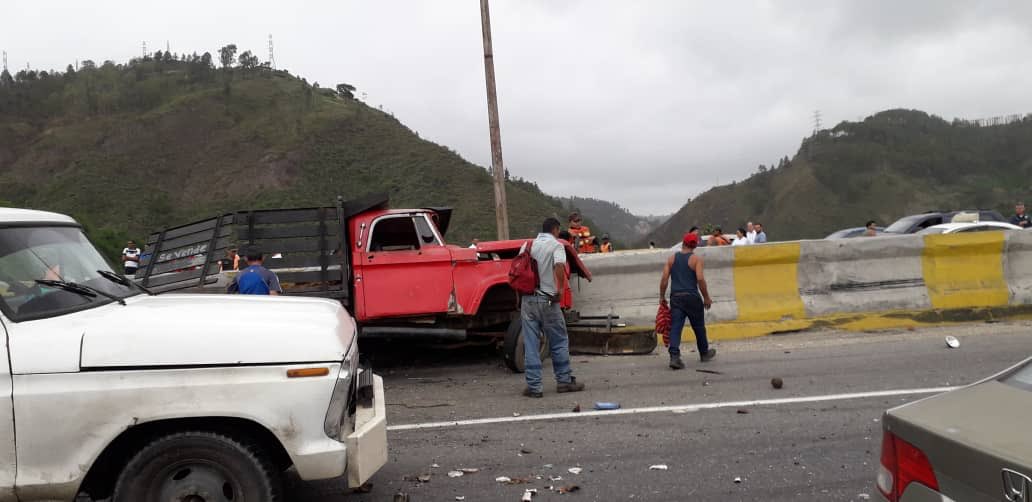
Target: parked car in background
[
  {"x": 970, "y": 444},
  {"x": 957, "y": 228},
  {"x": 917, "y": 222},
  {"x": 849, "y": 233}
]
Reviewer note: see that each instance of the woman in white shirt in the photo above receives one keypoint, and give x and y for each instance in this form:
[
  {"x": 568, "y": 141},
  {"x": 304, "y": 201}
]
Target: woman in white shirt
[{"x": 740, "y": 238}]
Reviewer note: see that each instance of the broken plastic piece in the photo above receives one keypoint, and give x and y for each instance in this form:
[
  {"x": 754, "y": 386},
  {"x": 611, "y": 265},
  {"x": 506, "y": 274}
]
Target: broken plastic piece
[
  {"x": 952, "y": 342},
  {"x": 503, "y": 479},
  {"x": 602, "y": 405},
  {"x": 658, "y": 467},
  {"x": 738, "y": 479},
  {"x": 528, "y": 495},
  {"x": 568, "y": 489},
  {"x": 742, "y": 411},
  {"x": 575, "y": 470},
  {"x": 460, "y": 497},
  {"x": 455, "y": 474},
  {"x": 423, "y": 478},
  {"x": 515, "y": 413},
  {"x": 470, "y": 470}
]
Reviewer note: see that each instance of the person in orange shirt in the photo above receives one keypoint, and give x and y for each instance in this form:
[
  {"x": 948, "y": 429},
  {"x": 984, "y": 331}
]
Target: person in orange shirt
[
  {"x": 717, "y": 239},
  {"x": 584, "y": 242},
  {"x": 607, "y": 247}
]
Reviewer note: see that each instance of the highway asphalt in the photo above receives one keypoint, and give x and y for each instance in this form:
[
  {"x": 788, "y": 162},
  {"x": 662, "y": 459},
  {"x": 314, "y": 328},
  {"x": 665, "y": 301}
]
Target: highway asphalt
[{"x": 721, "y": 436}]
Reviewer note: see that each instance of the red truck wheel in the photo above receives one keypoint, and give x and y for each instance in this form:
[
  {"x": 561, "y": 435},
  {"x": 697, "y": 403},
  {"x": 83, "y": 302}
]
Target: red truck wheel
[{"x": 512, "y": 347}]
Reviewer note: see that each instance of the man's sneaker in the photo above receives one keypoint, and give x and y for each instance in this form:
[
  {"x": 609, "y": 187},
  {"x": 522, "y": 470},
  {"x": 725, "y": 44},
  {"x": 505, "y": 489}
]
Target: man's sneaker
[
  {"x": 709, "y": 355},
  {"x": 676, "y": 363},
  {"x": 532, "y": 393},
  {"x": 573, "y": 386}
]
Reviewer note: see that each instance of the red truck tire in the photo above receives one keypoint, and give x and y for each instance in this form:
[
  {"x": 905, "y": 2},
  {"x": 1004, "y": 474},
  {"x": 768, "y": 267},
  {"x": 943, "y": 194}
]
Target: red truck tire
[{"x": 512, "y": 347}]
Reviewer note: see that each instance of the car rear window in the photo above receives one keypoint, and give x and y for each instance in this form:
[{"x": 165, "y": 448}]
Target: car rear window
[{"x": 1020, "y": 378}]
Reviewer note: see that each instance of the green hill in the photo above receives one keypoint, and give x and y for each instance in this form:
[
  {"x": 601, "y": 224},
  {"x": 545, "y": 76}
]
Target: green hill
[
  {"x": 130, "y": 148},
  {"x": 894, "y": 163}
]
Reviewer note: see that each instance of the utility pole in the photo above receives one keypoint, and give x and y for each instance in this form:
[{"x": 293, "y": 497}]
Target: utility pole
[
  {"x": 501, "y": 207},
  {"x": 816, "y": 122},
  {"x": 5, "y": 60},
  {"x": 145, "y": 49}
]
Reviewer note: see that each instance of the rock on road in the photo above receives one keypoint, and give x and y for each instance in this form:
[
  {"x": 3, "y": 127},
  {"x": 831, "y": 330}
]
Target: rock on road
[{"x": 814, "y": 445}]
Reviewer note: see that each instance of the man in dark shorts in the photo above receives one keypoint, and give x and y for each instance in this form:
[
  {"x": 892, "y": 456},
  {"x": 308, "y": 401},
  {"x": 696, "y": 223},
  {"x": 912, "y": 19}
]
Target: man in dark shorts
[
  {"x": 689, "y": 298},
  {"x": 255, "y": 279},
  {"x": 131, "y": 258}
]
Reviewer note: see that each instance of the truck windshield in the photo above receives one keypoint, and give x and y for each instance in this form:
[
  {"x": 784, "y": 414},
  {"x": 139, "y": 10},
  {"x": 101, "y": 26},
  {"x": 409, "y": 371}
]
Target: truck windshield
[{"x": 31, "y": 254}]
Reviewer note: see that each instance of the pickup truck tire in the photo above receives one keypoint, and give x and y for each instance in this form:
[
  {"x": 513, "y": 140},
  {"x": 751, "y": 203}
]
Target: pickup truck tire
[
  {"x": 195, "y": 466},
  {"x": 513, "y": 348}
]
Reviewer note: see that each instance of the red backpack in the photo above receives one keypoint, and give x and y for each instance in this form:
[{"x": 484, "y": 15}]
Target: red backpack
[{"x": 523, "y": 273}]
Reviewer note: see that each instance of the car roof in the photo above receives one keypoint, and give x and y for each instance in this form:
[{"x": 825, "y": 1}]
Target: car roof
[
  {"x": 958, "y": 226},
  {"x": 10, "y": 215}
]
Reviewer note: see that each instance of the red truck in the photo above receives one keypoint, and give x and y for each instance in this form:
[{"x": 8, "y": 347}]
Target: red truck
[{"x": 391, "y": 268}]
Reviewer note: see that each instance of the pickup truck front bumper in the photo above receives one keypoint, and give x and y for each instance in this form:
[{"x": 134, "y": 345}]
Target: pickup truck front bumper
[{"x": 367, "y": 445}]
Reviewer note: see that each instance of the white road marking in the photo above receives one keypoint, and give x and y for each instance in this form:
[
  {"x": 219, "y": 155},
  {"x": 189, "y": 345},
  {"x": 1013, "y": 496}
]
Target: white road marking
[{"x": 675, "y": 408}]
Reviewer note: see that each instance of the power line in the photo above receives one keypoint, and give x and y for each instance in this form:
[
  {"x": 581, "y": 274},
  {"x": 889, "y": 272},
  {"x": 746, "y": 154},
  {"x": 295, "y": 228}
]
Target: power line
[{"x": 272, "y": 57}]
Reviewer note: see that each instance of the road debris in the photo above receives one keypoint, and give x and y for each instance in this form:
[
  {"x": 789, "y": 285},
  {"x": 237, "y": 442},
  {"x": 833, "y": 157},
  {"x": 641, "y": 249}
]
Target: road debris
[
  {"x": 434, "y": 466},
  {"x": 777, "y": 383},
  {"x": 568, "y": 489},
  {"x": 470, "y": 470},
  {"x": 401, "y": 497},
  {"x": 658, "y": 467},
  {"x": 524, "y": 451},
  {"x": 738, "y": 480},
  {"x": 460, "y": 497},
  {"x": 575, "y": 470},
  {"x": 515, "y": 413},
  {"x": 863, "y": 496},
  {"x": 555, "y": 478},
  {"x": 455, "y": 474},
  {"x": 712, "y": 372},
  {"x": 743, "y": 411},
  {"x": 576, "y": 408},
  {"x": 952, "y": 342},
  {"x": 528, "y": 495},
  {"x": 602, "y": 405},
  {"x": 503, "y": 479}
]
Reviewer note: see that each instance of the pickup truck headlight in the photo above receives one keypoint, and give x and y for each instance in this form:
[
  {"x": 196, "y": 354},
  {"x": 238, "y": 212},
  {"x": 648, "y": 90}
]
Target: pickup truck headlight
[{"x": 338, "y": 424}]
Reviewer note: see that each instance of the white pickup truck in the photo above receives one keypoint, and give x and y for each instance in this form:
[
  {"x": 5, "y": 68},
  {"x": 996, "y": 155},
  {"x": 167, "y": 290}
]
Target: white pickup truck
[{"x": 107, "y": 391}]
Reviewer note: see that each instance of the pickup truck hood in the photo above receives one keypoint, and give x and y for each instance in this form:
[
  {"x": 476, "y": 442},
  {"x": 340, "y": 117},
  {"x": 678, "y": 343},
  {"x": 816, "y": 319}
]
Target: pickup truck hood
[
  {"x": 194, "y": 330},
  {"x": 572, "y": 257}
]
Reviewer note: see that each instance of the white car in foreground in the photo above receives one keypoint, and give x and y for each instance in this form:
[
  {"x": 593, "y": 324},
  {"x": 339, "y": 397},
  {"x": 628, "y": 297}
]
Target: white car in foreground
[
  {"x": 108, "y": 391},
  {"x": 957, "y": 228}
]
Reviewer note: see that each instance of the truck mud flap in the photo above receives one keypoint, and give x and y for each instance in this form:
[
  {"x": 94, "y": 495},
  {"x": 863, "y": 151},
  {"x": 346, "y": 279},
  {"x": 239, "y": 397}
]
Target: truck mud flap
[{"x": 600, "y": 340}]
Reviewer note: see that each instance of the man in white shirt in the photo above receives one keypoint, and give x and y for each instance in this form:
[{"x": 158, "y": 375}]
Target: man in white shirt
[
  {"x": 750, "y": 233},
  {"x": 131, "y": 258},
  {"x": 542, "y": 315}
]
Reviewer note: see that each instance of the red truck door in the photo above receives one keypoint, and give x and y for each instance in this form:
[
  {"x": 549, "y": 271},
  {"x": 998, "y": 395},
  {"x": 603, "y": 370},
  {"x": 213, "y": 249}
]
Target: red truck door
[{"x": 405, "y": 269}]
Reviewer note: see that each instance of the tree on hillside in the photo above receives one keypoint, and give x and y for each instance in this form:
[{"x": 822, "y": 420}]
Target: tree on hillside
[
  {"x": 88, "y": 64},
  {"x": 206, "y": 60},
  {"x": 6, "y": 80},
  {"x": 248, "y": 61},
  {"x": 346, "y": 91},
  {"x": 227, "y": 54}
]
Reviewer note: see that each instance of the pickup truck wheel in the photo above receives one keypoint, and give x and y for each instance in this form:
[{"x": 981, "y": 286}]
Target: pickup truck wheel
[
  {"x": 199, "y": 467},
  {"x": 513, "y": 348}
]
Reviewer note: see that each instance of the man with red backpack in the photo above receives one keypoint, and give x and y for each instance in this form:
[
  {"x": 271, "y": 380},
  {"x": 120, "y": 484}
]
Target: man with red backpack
[{"x": 541, "y": 314}]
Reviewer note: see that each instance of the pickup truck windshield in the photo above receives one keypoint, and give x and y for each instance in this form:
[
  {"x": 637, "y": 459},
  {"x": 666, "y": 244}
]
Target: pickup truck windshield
[{"x": 28, "y": 254}]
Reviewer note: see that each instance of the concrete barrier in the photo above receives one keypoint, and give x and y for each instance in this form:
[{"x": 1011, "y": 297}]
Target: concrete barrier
[{"x": 859, "y": 284}]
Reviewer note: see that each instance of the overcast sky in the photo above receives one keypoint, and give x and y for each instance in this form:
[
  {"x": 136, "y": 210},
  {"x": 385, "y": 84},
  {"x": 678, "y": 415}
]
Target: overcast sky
[{"x": 644, "y": 103}]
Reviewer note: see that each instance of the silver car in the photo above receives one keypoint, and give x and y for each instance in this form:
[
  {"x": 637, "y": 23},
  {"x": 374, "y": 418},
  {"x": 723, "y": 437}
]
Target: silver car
[{"x": 972, "y": 444}]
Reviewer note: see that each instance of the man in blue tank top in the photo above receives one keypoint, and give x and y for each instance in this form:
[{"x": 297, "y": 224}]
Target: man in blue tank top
[
  {"x": 255, "y": 279},
  {"x": 689, "y": 298}
]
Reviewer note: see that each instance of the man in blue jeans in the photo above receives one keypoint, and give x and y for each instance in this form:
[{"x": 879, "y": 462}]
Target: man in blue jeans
[
  {"x": 686, "y": 303},
  {"x": 541, "y": 315}
]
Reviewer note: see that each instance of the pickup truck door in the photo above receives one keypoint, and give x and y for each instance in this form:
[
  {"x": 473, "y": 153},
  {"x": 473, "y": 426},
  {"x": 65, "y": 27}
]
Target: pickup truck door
[
  {"x": 404, "y": 269},
  {"x": 7, "y": 452}
]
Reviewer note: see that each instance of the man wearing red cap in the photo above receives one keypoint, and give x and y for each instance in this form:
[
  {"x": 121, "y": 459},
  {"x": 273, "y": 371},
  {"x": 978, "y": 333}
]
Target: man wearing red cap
[{"x": 689, "y": 298}]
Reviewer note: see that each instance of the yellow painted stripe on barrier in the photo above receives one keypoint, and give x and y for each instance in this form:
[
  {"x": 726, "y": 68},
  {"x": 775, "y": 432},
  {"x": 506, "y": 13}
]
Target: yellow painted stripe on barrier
[
  {"x": 766, "y": 283},
  {"x": 965, "y": 270}
]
